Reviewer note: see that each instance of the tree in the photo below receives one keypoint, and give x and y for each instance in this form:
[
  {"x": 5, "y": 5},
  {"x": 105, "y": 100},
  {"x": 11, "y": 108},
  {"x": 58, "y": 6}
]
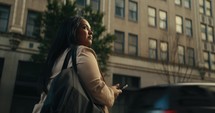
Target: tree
[
  {"x": 101, "y": 43},
  {"x": 56, "y": 13}
]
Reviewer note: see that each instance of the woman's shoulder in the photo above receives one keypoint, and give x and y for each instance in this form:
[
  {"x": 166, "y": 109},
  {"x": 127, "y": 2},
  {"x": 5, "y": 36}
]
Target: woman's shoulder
[{"x": 85, "y": 49}]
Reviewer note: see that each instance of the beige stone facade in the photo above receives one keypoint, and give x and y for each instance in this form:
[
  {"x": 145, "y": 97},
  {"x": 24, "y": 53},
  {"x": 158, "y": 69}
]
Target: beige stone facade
[{"x": 146, "y": 71}]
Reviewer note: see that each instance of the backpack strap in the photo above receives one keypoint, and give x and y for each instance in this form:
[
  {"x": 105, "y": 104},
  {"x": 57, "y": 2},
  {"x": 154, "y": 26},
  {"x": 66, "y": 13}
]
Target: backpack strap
[
  {"x": 74, "y": 62},
  {"x": 66, "y": 60},
  {"x": 72, "y": 53}
]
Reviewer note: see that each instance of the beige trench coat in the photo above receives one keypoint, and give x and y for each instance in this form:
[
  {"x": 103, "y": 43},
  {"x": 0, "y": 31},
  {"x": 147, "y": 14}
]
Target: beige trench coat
[{"x": 88, "y": 70}]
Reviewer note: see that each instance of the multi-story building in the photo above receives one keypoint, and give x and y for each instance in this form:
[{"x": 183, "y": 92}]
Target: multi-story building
[{"x": 152, "y": 37}]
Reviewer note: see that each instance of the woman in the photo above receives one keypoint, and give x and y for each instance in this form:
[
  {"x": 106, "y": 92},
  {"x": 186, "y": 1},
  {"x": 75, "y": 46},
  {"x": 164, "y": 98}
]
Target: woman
[{"x": 77, "y": 31}]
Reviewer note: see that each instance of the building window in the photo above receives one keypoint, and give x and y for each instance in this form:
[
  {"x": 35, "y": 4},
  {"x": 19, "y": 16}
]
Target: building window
[
  {"x": 120, "y": 8},
  {"x": 208, "y": 8},
  {"x": 133, "y": 11},
  {"x": 26, "y": 92},
  {"x": 188, "y": 29},
  {"x": 206, "y": 60},
  {"x": 133, "y": 82},
  {"x": 81, "y": 2},
  {"x": 203, "y": 32},
  {"x": 187, "y": 4},
  {"x": 212, "y": 57},
  {"x": 178, "y": 2},
  {"x": 201, "y": 6},
  {"x": 1, "y": 67},
  {"x": 191, "y": 58},
  {"x": 210, "y": 34},
  {"x": 33, "y": 25},
  {"x": 152, "y": 49},
  {"x": 179, "y": 24},
  {"x": 120, "y": 105},
  {"x": 164, "y": 51},
  {"x": 152, "y": 16},
  {"x": 95, "y": 4},
  {"x": 119, "y": 42},
  {"x": 132, "y": 44},
  {"x": 163, "y": 19},
  {"x": 205, "y": 7},
  {"x": 181, "y": 56},
  {"x": 207, "y": 33},
  {"x": 4, "y": 17}
]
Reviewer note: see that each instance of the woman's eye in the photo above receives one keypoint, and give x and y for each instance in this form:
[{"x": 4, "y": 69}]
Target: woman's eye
[{"x": 85, "y": 27}]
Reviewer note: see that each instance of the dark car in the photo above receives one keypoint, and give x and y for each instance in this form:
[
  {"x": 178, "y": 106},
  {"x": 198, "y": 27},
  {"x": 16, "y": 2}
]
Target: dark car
[{"x": 177, "y": 98}]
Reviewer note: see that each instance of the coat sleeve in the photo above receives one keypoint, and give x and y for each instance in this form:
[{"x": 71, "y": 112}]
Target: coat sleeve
[{"x": 89, "y": 72}]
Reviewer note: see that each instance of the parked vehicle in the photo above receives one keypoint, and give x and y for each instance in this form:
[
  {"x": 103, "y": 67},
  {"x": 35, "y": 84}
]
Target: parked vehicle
[{"x": 176, "y": 98}]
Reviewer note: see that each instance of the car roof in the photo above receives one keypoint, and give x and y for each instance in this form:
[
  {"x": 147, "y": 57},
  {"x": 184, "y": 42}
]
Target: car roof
[
  {"x": 175, "y": 85},
  {"x": 191, "y": 84},
  {"x": 184, "y": 84}
]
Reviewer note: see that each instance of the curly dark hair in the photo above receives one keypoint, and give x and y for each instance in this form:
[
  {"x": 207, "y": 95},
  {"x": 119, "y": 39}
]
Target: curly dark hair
[{"x": 65, "y": 37}]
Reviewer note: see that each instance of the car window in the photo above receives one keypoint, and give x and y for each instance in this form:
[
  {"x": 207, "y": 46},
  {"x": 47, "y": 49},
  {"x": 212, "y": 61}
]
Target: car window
[
  {"x": 151, "y": 97},
  {"x": 195, "y": 96},
  {"x": 193, "y": 91},
  {"x": 211, "y": 89},
  {"x": 163, "y": 102}
]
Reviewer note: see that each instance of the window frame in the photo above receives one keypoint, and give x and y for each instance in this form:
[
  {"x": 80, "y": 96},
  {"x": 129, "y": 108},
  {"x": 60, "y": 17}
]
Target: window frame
[
  {"x": 6, "y": 11},
  {"x": 187, "y": 2},
  {"x": 178, "y": 2},
  {"x": 36, "y": 27},
  {"x": 190, "y": 56},
  {"x": 204, "y": 9},
  {"x": 152, "y": 49},
  {"x": 181, "y": 55},
  {"x": 26, "y": 86},
  {"x": 204, "y": 32},
  {"x": 210, "y": 34},
  {"x": 1, "y": 66},
  {"x": 201, "y": 7},
  {"x": 208, "y": 9},
  {"x": 132, "y": 44},
  {"x": 163, "y": 21},
  {"x": 97, "y": 4},
  {"x": 81, "y": 2},
  {"x": 120, "y": 9},
  {"x": 188, "y": 27},
  {"x": 206, "y": 58},
  {"x": 133, "y": 15},
  {"x": 179, "y": 25},
  {"x": 152, "y": 17},
  {"x": 119, "y": 42},
  {"x": 164, "y": 52},
  {"x": 212, "y": 59},
  {"x": 120, "y": 105}
]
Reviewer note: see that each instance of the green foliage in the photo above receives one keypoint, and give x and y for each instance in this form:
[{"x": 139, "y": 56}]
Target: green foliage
[
  {"x": 101, "y": 43},
  {"x": 55, "y": 14},
  {"x": 58, "y": 12}
]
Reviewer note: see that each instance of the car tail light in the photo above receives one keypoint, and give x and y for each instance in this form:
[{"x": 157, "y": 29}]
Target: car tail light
[{"x": 169, "y": 111}]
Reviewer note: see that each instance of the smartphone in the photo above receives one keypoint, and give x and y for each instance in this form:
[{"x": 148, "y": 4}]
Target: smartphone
[{"x": 123, "y": 86}]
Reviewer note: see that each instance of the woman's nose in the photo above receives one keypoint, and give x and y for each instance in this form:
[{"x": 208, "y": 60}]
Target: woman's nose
[{"x": 90, "y": 32}]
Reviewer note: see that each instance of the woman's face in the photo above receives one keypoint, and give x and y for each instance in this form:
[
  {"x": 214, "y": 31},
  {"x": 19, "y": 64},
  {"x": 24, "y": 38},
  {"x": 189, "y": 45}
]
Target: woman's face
[{"x": 84, "y": 33}]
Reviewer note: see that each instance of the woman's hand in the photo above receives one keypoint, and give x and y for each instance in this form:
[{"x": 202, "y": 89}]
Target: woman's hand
[{"x": 116, "y": 90}]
